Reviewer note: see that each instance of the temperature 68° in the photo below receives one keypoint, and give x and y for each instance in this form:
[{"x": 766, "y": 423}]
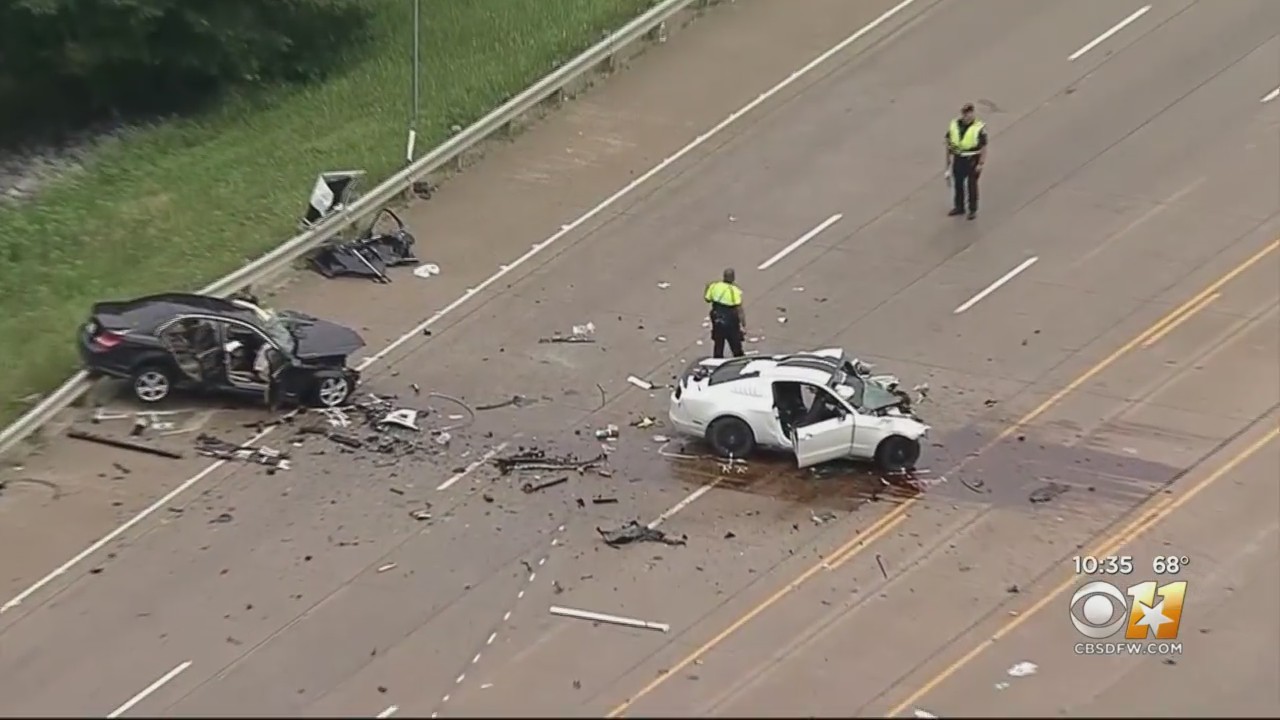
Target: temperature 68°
[{"x": 1168, "y": 564}]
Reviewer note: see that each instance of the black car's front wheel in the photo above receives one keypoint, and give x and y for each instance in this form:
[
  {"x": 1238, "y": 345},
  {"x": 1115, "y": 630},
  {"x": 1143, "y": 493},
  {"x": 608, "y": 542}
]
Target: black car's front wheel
[
  {"x": 332, "y": 389},
  {"x": 151, "y": 384}
]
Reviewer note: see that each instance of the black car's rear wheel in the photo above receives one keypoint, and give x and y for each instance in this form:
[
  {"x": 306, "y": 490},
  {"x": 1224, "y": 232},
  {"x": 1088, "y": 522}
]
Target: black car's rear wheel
[
  {"x": 152, "y": 384},
  {"x": 332, "y": 389},
  {"x": 731, "y": 437}
]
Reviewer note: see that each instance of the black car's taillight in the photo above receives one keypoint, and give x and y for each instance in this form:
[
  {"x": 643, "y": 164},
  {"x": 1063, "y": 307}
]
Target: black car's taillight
[{"x": 106, "y": 340}]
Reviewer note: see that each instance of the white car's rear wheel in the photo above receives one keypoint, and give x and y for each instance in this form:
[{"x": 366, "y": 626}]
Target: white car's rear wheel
[
  {"x": 731, "y": 437},
  {"x": 897, "y": 454}
]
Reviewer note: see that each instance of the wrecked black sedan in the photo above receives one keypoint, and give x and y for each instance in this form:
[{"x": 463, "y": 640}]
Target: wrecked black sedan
[{"x": 200, "y": 343}]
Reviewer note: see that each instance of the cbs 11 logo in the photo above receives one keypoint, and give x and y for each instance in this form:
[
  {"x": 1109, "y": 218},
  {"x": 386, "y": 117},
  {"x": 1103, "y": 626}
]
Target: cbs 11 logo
[{"x": 1104, "y": 609}]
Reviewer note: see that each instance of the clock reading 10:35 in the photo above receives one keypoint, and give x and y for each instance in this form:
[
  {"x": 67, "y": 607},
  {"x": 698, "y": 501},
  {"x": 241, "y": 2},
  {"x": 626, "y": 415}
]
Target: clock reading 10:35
[{"x": 1104, "y": 565}]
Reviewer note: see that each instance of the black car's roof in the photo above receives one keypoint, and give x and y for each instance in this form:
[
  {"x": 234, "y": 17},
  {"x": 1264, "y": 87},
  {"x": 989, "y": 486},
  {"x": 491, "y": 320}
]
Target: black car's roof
[{"x": 153, "y": 310}]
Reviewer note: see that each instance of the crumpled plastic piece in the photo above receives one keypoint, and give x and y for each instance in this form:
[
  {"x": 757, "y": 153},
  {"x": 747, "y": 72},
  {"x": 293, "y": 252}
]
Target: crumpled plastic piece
[{"x": 635, "y": 532}]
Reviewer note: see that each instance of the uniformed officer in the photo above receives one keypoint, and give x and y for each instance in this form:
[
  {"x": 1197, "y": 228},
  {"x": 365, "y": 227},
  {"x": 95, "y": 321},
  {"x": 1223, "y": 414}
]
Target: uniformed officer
[
  {"x": 728, "y": 318},
  {"x": 966, "y": 153}
]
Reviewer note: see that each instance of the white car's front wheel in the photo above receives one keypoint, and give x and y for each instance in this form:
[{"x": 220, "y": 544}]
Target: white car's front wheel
[
  {"x": 897, "y": 454},
  {"x": 731, "y": 437}
]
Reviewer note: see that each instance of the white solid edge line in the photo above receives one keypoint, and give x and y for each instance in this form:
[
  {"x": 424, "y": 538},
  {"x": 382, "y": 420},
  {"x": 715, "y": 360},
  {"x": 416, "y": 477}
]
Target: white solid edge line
[
  {"x": 996, "y": 285},
  {"x": 468, "y": 469},
  {"x": 391, "y": 710},
  {"x": 1114, "y": 29},
  {"x": 1271, "y": 96},
  {"x": 102, "y": 542},
  {"x": 637, "y": 182},
  {"x": 564, "y": 230},
  {"x": 802, "y": 240},
  {"x": 148, "y": 690}
]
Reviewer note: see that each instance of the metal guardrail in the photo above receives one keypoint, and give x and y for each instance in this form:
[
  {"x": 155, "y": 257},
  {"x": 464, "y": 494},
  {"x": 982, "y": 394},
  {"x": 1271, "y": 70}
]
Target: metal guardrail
[{"x": 285, "y": 255}]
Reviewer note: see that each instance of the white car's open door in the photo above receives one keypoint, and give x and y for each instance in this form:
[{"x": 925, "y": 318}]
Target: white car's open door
[{"x": 823, "y": 441}]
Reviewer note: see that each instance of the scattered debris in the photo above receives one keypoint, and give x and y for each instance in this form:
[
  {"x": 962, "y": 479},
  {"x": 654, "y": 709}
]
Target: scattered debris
[
  {"x": 1048, "y": 492},
  {"x": 641, "y": 383},
  {"x": 426, "y": 270},
  {"x": 643, "y": 422},
  {"x": 388, "y": 566},
  {"x": 610, "y": 619},
  {"x": 924, "y": 714},
  {"x": 515, "y": 401},
  {"x": 664, "y": 285},
  {"x": 539, "y": 460},
  {"x": 609, "y": 432},
  {"x": 880, "y": 562},
  {"x": 123, "y": 444},
  {"x": 214, "y": 447},
  {"x": 1001, "y": 685},
  {"x": 1013, "y": 589},
  {"x": 603, "y": 500},
  {"x": 368, "y": 255},
  {"x": 662, "y": 439},
  {"x": 1169, "y": 661},
  {"x": 1023, "y": 669},
  {"x": 539, "y": 487},
  {"x": 577, "y": 334},
  {"x": 604, "y": 398},
  {"x": 978, "y": 486},
  {"x": 633, "y": 531},
  {"x": 406, "y": 418},
  {"x": 222, "y": 518},
  {"x": 420, "y": 515},
  {"x": 821, "y": 518}
]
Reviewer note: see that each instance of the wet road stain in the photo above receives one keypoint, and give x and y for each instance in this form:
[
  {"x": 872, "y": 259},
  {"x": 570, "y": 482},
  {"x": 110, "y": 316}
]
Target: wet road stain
[{"x": 1022, "y": 471}]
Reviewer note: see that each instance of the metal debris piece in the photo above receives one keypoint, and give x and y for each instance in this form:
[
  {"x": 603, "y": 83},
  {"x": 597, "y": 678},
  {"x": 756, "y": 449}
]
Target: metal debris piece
[
  {"x": 822, "y": 517},
  {"x": 661, "y": 439},
  {"x": 442, "y": 438},
  {"x": 644, "y": 422},
  {"x": 388, "y": 566},
  {"x": 1023, "y": 669},
  {"x": 664, "y": 285},
  {"x": 516, "y": 400},
  {"x": 604, "y": 398},
  {"x": 1048, "y": 492},
  {"x": 978, "y": 486},
  {"x": 426, "y": 270},
  {"x": 406, "y": 418},
  {"x": 420, "y": 515},
  {"x": 369, "y": 255},
  {"x": 604, "y": 500},
  {"x": 924, "y": 713},
  {"x": 880, "y": 563},
  {"x": 215, "y": 447},
  {"x": 533, "y": 488},
  {"x": 539, "y": 460},
  {"x": 640, "y": 383},
  {"x": 635, "y": 532},
  {"x": 577, "y": 334},
  {"x": 123, "y": 444},
  {"x": 222, "y": 518},
  {"x": 608, "y": 432},
  {"x": 610, "y": 619}
]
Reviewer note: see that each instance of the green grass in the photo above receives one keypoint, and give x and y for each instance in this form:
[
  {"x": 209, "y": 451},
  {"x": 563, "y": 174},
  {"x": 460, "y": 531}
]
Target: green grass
[{"x": 179, "y": 204}]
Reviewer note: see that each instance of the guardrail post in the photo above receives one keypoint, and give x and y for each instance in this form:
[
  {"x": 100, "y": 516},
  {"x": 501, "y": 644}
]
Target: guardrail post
[{"x": 659, "y": 33}]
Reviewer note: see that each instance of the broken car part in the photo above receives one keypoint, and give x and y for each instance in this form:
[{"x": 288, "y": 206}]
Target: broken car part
[
  {"x": 633, "y": 532},
  {"x": 610, "y": 619},
  {"x": 369, "y": 255},
  {"x": 215, "y": 447},
  {"x": 123, "y": 444},
  {"x": 533, "y": 488},
  {"x": 539, "y": 460}
]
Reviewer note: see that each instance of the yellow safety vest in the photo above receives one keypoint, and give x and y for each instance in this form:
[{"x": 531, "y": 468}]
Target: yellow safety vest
[
  {"x": 965, "y": 145},
  {"x": 723, "y": 293}
]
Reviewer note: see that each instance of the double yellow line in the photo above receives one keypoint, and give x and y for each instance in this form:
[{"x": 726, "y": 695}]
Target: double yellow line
[
  {"x": 877, "y": 530},
  {"x": 1111, "y": 546}
]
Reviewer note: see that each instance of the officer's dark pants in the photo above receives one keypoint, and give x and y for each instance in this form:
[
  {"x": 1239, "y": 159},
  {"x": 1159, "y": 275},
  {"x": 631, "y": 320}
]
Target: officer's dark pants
[
  {"x": 964, "y": 180},
  {"x": 721, "y": 334}
]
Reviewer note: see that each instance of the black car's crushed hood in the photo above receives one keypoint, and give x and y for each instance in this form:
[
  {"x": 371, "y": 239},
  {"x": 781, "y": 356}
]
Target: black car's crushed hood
[{"x": 317, "y": 338}]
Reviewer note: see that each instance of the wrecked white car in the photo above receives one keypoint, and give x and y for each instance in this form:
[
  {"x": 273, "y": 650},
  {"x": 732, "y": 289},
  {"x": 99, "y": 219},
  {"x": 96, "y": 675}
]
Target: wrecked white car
[{"x": 821, "y": 405}]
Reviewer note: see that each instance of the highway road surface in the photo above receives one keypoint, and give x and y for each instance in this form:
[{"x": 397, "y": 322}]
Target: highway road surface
[{"x": 1101, "y": 342}]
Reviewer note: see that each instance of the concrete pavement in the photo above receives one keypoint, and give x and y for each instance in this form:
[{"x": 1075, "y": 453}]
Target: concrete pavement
[{"x": 283, "y": 610}]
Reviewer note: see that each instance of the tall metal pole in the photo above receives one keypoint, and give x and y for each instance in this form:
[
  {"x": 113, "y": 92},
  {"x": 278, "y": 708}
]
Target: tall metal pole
[{"x": 413, "y": 112}]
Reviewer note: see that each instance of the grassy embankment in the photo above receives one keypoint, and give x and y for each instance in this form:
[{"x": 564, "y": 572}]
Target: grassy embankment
[{"x": 180, "y": 204}]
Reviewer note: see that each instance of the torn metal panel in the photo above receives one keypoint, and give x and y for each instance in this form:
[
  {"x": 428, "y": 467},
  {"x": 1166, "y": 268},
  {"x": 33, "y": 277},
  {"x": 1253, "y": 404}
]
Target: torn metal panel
[
  {"x": 634, "y": 532},
  {"x": 369, "y": 255}
]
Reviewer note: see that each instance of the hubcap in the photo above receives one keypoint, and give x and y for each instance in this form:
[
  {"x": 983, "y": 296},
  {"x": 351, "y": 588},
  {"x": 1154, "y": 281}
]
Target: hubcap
[
  {"x": 332, "y": 391},
  {"x": 151, "y": 386}
]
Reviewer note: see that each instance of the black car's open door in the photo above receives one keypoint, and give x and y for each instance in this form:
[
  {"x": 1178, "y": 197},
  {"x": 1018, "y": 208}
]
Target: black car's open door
[{"x": 288, "y": 382}]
